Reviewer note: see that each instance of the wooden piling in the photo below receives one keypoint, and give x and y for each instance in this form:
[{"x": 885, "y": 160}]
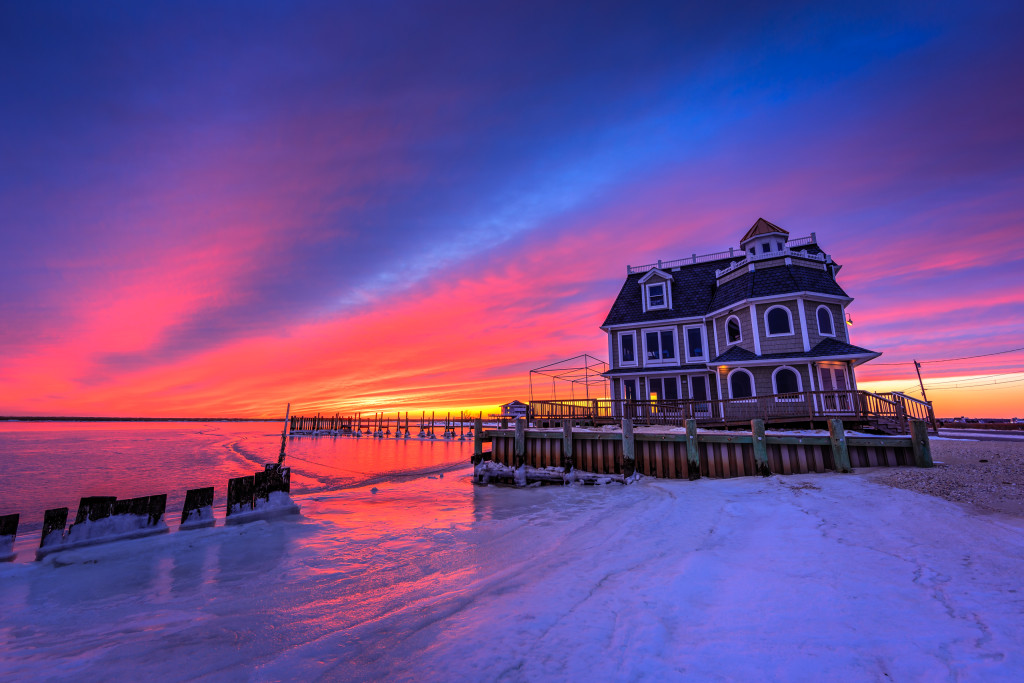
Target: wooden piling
[
  {"x": 520, "y": 444},
  {"x": 478, "y": 443},
  {"x": 922, "y": 446},
  {"x": 54, "y": 522},
  {"x": 840, "y": 452},
  {"x": 628, "y": 448},
  {"x": 692, "y": 451},
  {"x": 567, "y": 445},
  {"x": 760, "y": 447},
  {"x": 195, "y": 501}
]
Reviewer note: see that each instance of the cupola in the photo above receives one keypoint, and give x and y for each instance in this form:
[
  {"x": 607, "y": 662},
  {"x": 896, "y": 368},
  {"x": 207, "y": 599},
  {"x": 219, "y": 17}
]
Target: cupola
[{"x": 764, "y": 237}]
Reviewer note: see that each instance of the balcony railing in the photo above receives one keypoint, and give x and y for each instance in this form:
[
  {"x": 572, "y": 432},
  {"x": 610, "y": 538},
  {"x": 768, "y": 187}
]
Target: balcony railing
[
  {"x": 804, "y": 405},
  {"x": 717, "y": 256}
]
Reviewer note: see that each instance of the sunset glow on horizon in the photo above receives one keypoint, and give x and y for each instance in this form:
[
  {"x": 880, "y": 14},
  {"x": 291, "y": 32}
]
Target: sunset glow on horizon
[{"x": 216, "y": 210}]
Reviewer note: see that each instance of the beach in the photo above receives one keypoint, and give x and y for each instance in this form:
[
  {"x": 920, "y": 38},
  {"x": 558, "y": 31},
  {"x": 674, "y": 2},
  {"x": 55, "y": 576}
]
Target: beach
[{"x": 988, "y": 476}]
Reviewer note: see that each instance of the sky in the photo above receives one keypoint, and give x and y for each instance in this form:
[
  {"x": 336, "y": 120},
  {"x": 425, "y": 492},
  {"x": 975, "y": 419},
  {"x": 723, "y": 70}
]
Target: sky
[{"x": 214, "y": 209}]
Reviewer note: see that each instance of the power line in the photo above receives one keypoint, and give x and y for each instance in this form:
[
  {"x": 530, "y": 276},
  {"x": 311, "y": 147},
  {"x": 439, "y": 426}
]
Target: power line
[
  {"x": 950, "y": 360},
  {"x": 978, "y": 387}
]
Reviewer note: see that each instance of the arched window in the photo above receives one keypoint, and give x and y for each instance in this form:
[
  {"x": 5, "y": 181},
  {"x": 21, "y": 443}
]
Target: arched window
[
  {"x": 733, "y": 331},
  {"x": 826, "y": 326},
  {"x": 777, "y": 321},
  {"x": 786, "y": 380},
  {"x": 741, "y": 384}
]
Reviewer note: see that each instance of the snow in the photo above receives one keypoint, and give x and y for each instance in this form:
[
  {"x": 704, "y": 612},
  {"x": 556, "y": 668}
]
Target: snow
[
  {"x": 198, "y": 518},
  {"x": 277, "y": 504},
  {"x": 811, "y": 577},
  {"x": 6, "y": 548},
  {"x": 105, "y": 530}
]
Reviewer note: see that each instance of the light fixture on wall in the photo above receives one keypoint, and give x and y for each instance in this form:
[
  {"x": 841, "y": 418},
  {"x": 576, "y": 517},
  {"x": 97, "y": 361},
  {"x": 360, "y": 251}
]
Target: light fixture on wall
[{"x": 849, "y": 320}]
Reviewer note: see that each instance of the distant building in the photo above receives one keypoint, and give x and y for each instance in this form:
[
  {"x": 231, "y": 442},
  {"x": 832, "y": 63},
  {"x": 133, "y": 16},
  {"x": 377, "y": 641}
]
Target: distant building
[
  {"x": 514, "y": 410},
  {"x": 765, "y": 319}
]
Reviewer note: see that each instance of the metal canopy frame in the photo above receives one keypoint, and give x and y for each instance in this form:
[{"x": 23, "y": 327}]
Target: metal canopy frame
[{"x": 580, "y": 373}]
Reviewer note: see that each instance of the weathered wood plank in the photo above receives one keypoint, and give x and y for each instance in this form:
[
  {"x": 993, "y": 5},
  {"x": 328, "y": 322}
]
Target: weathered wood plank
[
  {"x": 760, "y": 447},
  {"x": 921, "y": 445},
  {"x": 840, "y": 453}
]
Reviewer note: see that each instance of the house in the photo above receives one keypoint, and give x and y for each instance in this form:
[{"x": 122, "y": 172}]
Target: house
[
  {"x": 764, "y": 319},
  {"x": 514, "y": 410}
]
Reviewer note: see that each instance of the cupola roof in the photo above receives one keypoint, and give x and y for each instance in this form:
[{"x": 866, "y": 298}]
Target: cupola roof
[{"x": 762, "y": 227}]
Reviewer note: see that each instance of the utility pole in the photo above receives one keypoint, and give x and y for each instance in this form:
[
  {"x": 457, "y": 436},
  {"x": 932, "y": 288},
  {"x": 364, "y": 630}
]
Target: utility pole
[{"x": 917, "y": 366}]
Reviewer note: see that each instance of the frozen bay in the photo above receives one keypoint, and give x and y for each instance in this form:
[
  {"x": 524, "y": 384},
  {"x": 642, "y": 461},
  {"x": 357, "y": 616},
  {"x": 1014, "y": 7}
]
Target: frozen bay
[{"x": 432, "y": 578}]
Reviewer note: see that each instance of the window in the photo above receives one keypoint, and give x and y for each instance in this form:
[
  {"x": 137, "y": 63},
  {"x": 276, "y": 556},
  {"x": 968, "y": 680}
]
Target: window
[
  {"x": 741, "y": 384},
  {"x": 778, "y": 246},
  {"x": 629, "y": 389},
  {"x": 753, "y": 251},
  {"x": 656, "y": 296},
  {"x": 765, "y": 247},
  {"x": 627, "y": 348},
  {"x": 671, "y": 389},
  {"x": 694, "y": 342},
  {"x": 777, "y": 321},
  {"x": 786, "y": 380},
  {"x": 826, "y": 327},
  {"x": 666, "y": 389},
  {"x": 660, "y": 346},
  {"x": 733, "y": 331}
]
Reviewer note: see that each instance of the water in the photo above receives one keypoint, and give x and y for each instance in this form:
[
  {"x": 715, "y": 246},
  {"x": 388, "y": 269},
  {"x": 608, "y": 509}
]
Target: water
[{"x": 53, "y": 464}]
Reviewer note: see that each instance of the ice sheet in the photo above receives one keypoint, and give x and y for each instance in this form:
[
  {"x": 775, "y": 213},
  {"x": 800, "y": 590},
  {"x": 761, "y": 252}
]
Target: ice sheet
[{"x": 810, "y": 576}]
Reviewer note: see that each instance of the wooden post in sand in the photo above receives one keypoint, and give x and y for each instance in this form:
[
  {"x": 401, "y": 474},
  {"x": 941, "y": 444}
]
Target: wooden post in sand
[
  {"x": 628, "y": 449},
  {"x": 692, "y": 451},
  {"x": 840, "y": 452},
  {"x": 922, "y": 446},
  {"x": 760, "y": 447}
]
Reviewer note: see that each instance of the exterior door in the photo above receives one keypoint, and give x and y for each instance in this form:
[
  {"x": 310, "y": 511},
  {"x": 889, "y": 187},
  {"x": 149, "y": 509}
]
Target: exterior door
[
  {"x": 629, "y": 396},
  {"x": 699, "y": 393},
  {"x": 834, "y": 382}
]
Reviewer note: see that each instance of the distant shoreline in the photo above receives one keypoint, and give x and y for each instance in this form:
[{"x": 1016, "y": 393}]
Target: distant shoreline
[{"x": 15, "y": 418}]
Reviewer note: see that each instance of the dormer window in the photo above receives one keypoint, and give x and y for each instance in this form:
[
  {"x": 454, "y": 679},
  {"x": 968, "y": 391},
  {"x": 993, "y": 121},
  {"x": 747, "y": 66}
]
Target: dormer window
[
  {"x": 657, "y": 290},
  {"x": 656, "y": 296}
]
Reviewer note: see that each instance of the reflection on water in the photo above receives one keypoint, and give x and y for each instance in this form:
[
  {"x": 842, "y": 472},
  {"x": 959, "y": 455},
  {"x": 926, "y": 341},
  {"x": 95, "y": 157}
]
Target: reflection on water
[{"x": 53, "y": 464}]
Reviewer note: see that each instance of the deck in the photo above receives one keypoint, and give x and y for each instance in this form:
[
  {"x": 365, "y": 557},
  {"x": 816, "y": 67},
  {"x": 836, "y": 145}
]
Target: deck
[{"x": 889, "y": 412}]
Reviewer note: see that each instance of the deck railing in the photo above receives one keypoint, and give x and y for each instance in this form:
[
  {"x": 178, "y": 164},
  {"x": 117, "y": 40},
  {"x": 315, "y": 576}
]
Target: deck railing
[
  {"x": 804, "y": 405},
  {"x": 915, "y": 408},
  {"x": 717, "y": 256}
]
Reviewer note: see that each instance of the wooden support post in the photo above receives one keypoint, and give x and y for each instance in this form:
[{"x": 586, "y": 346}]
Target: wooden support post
[
  {"x": 567, "y": 447},
  {"x": 628, "y": 449},
  {"x": 8, "y": 532},
  {"x": 922, "y": 446},
  {"x": 196, "y": 501},
  {"x": 692, "y": 451},
  {"x": 840, "y": 452},
  {"x": 520, "y": 452},
  {"x": 54, "y": 522},
  {"x": 760, "y": 447},
  {"x": 478, "y": 441}
]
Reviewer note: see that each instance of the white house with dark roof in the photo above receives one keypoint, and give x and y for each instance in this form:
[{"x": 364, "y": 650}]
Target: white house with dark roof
[{"x": 764, "y": 319}]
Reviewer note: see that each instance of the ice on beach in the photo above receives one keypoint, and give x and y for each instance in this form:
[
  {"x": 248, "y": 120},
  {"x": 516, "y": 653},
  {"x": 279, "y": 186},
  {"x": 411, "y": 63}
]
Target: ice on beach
[{"x": 811, "y": 577}]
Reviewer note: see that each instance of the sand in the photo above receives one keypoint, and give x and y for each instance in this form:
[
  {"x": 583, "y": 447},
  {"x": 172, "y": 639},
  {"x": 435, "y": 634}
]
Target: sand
[{"x": 986, "y": 475}]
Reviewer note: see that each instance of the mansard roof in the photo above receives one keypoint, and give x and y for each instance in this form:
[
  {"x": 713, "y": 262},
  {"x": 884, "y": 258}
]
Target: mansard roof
[
  {"x": 772, "y": 281},
  {"x": 695, "y": 292},
  {"x": 826, "y": 348},
  {"x": 762, "y": 227}
]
